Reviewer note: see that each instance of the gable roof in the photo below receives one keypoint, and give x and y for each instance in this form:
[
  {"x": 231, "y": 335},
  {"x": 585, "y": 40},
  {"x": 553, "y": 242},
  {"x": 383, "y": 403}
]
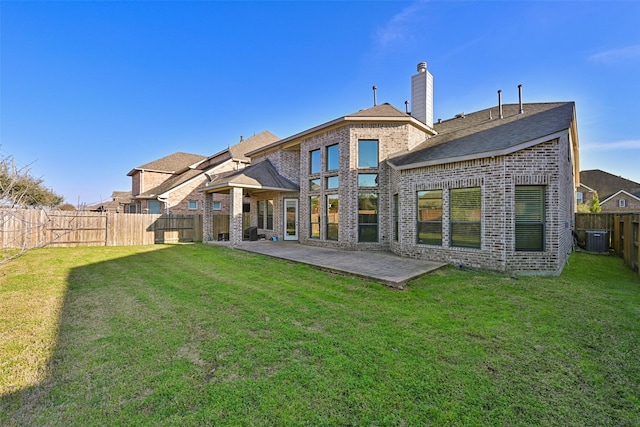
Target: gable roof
[
  {"x": 262, "y": 139},
  {"x": 173, "y": 163},
  {"x": 483, "y": 134},
  {"x": 633, "y": 196},
  {"x": 262, "y": 175},
  {"x": 606, "y": 184},
  {"x": 381, "y": 113}
]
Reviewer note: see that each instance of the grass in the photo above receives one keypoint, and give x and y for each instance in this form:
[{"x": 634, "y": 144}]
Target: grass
[{"x": 201, "y": 335}]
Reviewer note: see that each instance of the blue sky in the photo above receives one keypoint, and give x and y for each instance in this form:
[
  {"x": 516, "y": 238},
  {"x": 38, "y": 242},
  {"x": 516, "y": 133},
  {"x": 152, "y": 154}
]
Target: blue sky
[{"x": 90, "y": 90}]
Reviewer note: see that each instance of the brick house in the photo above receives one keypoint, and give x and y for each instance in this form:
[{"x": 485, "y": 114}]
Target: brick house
[
  {"x": 616, "y": 194},
  {"x": 494, "y": 189},
  {"x": 172, "y": 184}
]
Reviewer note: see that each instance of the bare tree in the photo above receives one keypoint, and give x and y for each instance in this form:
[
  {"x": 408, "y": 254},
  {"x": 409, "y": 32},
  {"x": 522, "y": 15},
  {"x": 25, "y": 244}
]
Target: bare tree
[{"x": 19, "y": 191}]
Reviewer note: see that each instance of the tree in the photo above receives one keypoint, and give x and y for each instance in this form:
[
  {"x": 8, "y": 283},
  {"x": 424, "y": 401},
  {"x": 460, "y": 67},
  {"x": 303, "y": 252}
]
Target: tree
[
  {"x": 18, "y": 189},
  {"x": 594, "y": 206}
]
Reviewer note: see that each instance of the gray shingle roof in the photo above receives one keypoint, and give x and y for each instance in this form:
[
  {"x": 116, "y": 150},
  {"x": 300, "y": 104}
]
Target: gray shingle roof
[
  {"x": 172, "y": 182},
  {"x": 476, "y": 135},
  {"x": 262, "y": 175},
  {"x": 172, "y": 163}
]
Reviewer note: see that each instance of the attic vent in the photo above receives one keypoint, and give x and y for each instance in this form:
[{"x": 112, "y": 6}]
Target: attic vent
[{"x": 460, "y": 116}]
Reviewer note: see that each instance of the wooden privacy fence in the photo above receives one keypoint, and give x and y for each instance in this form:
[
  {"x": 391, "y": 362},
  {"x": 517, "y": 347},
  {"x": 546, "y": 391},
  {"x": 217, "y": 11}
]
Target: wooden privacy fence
[
  {"x": 28, "y": 228},
  {"x": 624, "y": 233}
]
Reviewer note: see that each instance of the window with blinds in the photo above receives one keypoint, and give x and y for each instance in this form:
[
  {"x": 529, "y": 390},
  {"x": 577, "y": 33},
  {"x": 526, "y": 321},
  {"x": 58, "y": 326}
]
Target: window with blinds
[
  {"x": 430, "y": 217},
  {"x": 466, "y": 217},
  {"x": 530, "y": 218}
]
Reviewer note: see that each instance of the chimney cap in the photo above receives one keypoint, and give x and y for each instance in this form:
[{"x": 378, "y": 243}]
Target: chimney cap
[{"x": 422, "y": 67}]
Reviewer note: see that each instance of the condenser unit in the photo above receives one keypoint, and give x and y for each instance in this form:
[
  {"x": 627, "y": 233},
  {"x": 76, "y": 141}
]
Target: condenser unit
[{"x": 597, "y": 241}]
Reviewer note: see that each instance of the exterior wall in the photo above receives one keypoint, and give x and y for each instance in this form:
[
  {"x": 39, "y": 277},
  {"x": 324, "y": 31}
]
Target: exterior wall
[
  {"x": 611, "y": 205},
  {"x": 497, "y": 178},
  {"x": 392, "y": 139}
]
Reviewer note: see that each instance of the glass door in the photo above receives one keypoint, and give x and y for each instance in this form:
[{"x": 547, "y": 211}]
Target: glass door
[{"x": 290, "y": 219}]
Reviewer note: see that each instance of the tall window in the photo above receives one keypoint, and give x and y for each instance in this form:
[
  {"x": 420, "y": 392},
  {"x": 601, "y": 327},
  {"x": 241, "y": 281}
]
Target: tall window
[
  {"x": 530, "y": 218},
  {"x": 466, "y": 217},
  {"x": 367, "y": 153},
  {"x": 332, "y": 182},
  {"x": 265, "y": 214},
  {"x": 314, "y": 220},
  {"x": 332, "y": 217},
  {"x": 333, "y": 158},
  {"x": 430, "y": 217},
  {"x": 367, "y": 217},
  {"x": 314, "y": 161}
]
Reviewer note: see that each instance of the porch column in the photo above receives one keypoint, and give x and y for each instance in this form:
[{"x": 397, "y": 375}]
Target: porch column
[
  {"x": 235, "y": 220},
  {"x": 207, "y": 220}
]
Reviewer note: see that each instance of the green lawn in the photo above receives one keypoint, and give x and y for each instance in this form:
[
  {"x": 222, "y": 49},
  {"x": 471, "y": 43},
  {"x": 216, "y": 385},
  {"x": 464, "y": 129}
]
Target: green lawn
[{"x": 203, "y": 335}]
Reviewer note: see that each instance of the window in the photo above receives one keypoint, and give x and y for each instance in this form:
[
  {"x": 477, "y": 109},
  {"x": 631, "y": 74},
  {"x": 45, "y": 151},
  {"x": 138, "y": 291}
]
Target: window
[
  {"x": 466, "y": 217},
  {"x": 314, "y": 161},
  {"x": 368, "y": 153},
  {"x": 529, "y": 218},
  {"x": 580, "y": 196},
  {"x": 332, "y": 182},
  {"x": 333, "y": 158},
  {"x": 217, "y": 206},
  {"x": 193, "y": 204},
  {"x": 367, "y": 217},
  {"x": 430, "y": 217},
  {"x": 153, "y": 206},
  {"x": 332, "y": 217},
  {"x": 367, "y": 180},
  {"x": 314, "y": 184},
  {"x": 314, "y": 217},
  {"x": 396, "y": 211},
  {"x": 265, "y": 214},
  {"x": 622, "y": 203}
]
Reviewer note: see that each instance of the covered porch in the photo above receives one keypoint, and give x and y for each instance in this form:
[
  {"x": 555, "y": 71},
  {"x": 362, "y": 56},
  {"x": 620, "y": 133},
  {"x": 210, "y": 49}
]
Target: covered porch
[{"x": 258, "y": 197}]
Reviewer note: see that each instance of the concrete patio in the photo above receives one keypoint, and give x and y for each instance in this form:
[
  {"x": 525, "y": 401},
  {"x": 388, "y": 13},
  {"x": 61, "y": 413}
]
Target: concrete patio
[{"x": 383, "y": 267}]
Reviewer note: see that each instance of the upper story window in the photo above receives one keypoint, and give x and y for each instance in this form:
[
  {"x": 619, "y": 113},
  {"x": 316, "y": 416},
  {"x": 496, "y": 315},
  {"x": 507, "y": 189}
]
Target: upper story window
[
  {"x": 622, "y": 203},
  {"x": 193, "y": 204},
  {"x": 368, "y": 180},
  {"x": 314, "y": 184},
  {"x": 314, "y": 161},
  {"x": 368, "y": 153},
  {"x": 333, "y": 158},
  {"x": 333, "y": 182},
  {"x": 217, "y": 206}
]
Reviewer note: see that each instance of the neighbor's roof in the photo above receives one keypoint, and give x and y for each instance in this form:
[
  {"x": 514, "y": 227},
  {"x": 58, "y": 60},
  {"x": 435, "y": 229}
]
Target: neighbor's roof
[
  {"x": 173, "y": 163},
  {"x": 262, "y": 175},
  {"x": 380, "y": 113},
  {"x": 483, "y": 133},
  {"x": 260, "y": 140},
  {"x": 172, "y": 183}
]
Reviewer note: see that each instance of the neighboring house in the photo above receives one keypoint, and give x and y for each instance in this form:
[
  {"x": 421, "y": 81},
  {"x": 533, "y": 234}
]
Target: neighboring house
[
  {"x": 120, "y": 202},
  {"x": 171, "y": 185},
  {"x": 616, "y": 194},
  {"x": 494, "y": 189},
  {"x": 585, "y": 194}
]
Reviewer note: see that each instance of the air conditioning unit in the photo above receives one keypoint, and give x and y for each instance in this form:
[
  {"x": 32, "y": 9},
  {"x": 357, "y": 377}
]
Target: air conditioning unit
[{"x": 597, "y": 241}]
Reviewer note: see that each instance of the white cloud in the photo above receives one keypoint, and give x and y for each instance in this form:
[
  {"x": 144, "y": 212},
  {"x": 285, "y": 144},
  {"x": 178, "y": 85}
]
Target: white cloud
[
  {"x": 399, "y": 27},
  {"x": 616, "y": 55},
  {"x": 632, "y": 144}
]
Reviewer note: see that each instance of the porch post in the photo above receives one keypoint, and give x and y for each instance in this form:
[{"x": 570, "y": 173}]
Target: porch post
[
  {"x": 207, "y": 220},
  {"x": 235, "y": 221}
]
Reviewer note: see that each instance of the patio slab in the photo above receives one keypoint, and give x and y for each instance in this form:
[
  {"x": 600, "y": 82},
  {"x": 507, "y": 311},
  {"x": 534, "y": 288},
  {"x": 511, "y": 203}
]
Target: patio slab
[{"x": 379, "y": 266}]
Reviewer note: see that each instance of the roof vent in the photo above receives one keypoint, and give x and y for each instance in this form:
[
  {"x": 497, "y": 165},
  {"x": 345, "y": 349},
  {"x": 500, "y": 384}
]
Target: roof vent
[
  {"x": 500, "y": 104},
  {"x": 460, "y": 116},
  {"x": 520, "y": 97},
  {"x": 422, "y": 67},
  {"x": 375, "y": 100}
]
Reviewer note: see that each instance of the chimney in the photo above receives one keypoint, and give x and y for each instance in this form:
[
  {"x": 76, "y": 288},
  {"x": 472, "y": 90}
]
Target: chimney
[
  {"x": 500, "y": 104},
  {"x": 520, "y": 97},
  {"x": 422, "y": 95}
]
